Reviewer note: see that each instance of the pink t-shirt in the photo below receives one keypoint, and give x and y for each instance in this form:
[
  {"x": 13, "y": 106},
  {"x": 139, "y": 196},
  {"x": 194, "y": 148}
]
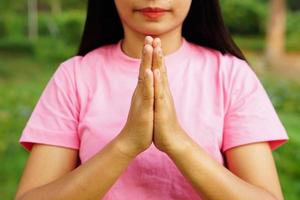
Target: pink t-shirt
[{"x": 219, "y": 100}]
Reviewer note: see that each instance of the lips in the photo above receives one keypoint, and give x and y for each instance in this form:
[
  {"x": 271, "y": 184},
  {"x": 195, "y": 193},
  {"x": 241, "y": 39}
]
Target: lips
[
  {"x": 149, "y": 9},
  {"x": 153, "y": 12}
]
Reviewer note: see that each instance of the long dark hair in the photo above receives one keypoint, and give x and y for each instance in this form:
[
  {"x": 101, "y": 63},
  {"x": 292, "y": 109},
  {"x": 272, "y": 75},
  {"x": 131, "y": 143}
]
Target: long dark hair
[{"x": 204, "y": 25}]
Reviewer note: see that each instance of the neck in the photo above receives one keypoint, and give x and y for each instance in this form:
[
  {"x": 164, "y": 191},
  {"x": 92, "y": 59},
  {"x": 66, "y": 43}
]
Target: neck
[{"x": 133, "y": 42}]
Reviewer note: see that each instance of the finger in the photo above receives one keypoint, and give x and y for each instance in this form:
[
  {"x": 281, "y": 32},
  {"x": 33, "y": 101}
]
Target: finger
[
  {"x": 148, "y": 40},
  {"x": 156, "y": 53},
  {"x": 158, "y": 89},
  {"x": 157, "y": 58},
  {"x": 146, "y": 61},
  {"x": 156, "y": 42},
  {"x": 163, "y": 68},
  {"x": 158, "y": 63},
  {"x": 148, "y": 89}
]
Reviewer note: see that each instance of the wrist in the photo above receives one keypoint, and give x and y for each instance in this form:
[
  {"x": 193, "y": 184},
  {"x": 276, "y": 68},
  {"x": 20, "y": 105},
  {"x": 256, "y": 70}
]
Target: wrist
[
  {"x": 181, "y": 145},
  {"x": 124, "y": 147}
]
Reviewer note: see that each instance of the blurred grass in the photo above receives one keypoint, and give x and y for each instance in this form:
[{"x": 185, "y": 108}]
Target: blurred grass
[
  {"x": 287, "y": 157},
  {"x": 23, "y": 78},
  {"x": 21, "y": 83}
]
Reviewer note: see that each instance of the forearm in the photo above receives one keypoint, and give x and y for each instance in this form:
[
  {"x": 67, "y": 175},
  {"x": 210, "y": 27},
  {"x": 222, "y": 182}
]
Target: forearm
[
  {"x": 90, "y": 180},
  {"x": 212, "y": 180}
]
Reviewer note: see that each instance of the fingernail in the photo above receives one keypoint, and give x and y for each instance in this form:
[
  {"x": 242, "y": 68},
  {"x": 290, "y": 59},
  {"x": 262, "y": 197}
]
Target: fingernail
[
  {"x": 145, "y": 40},
  {"x": 144, "y": 49}
]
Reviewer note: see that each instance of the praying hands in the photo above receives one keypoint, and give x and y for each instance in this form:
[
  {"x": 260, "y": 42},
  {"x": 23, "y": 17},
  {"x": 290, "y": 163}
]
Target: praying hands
[{"x": 152, "y": 116}]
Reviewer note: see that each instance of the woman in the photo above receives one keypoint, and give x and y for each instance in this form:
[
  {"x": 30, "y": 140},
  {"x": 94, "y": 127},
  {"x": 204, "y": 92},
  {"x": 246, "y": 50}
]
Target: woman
[{"x": 159, "y": 103}]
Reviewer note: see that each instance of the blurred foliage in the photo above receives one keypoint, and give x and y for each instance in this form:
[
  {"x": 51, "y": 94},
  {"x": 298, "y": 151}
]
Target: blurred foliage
[
  {"x": 21, "y": 81},
  {"x": 17, "y": 44},
  {"x": 13, "y": 25},
  {"x": 66, "y": 4},
  {"x": 52, "y": 50},
  {"x": 2, "y": 27},
  {"x": 287, "y": 157},
  {"x": 247, "y": 17},
  {"x": 257, "y": 43},
  {"x": 44, "y": 5},
  {"x": 70, "y": 26},
  {"x": 284, "y": 93},
  {"x": 61, "y": 33},
  {"x": 293, "y": 24},
  {"x": 293, "y": 4}
]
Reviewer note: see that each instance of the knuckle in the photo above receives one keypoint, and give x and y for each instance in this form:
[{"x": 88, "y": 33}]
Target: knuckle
[
  {"x": 140, "y": 80},
  {"x": 147, "y": 96},
  {"x": 159, "y": 97}
]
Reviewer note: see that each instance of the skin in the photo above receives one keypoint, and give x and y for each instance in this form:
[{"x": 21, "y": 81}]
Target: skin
[
  {"x": 51, "y": 171},
  {"x": 251, "y": 173},
  {"x": 136, "y": 26}
]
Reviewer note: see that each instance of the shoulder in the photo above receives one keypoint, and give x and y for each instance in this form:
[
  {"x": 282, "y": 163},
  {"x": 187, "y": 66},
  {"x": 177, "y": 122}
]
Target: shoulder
[
  {"x": 91, "y": 59},
  {"x": 87, "y": 67},
  {"x": 223, "y": 68},
  {"x": 214, "y": 60}
]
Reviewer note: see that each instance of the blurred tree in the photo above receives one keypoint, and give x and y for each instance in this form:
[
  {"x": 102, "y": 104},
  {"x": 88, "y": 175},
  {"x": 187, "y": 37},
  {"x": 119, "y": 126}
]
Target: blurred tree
[
  {"x": 75, "y": 4},
  {"x": 56, "y": 7},
  {"x": 32, "y": 20},
  {"x": 275, "y": 32},
  {"x": 251, "y": 11}
]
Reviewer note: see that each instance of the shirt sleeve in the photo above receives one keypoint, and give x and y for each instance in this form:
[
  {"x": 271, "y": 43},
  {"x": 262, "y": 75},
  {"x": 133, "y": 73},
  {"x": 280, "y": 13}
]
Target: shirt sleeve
[
  {"x": 250, "y": 116},
  {"x": 55, "y": 117}
]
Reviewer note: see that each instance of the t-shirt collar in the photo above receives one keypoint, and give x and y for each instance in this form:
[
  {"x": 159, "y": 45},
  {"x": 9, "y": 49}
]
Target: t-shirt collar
[{"x": 174, "y": 58}]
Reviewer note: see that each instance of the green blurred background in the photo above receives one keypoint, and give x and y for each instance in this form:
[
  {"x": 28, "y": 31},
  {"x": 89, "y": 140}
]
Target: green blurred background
[{"x": 35, "y": 36}]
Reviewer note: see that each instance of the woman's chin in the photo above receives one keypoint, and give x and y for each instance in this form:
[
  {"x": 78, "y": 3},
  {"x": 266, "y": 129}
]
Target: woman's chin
[{"x": 154, "y": 32}]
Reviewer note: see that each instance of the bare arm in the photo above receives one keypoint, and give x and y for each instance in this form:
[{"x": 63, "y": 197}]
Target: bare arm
[
  {"x": 50, "y": 173},
  {"x": 251, "y": 175}
]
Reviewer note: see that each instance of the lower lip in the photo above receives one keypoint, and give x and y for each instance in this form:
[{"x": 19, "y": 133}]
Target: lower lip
[{"x": 153, "y": 14}]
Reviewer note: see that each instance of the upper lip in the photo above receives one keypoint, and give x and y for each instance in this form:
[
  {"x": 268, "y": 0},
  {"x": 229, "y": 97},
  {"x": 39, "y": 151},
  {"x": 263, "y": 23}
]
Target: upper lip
[{"x": 152, "y": 9}]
